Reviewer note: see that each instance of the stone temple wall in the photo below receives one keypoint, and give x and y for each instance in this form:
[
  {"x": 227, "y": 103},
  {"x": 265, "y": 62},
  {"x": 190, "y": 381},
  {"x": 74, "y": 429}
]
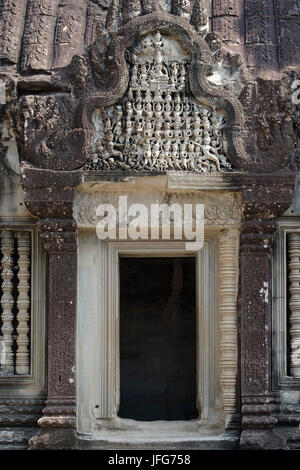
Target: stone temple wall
[{"x": 214, "y": 85}]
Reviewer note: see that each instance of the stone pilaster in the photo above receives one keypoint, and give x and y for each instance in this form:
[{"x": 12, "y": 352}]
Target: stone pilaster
[
  {"x": 59, "y": 415},
  {"x": 51, "y": 201},
  {"x": 258, "y": 403},
  {"x": 262, "y": 205}
]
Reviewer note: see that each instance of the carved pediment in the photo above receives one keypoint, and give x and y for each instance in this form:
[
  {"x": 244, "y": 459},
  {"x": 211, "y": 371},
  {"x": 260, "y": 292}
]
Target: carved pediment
[
  {"x": 138, "y": 100},
  {"x": 158, "y": 126},
  {"x": 155, "y": 111}
]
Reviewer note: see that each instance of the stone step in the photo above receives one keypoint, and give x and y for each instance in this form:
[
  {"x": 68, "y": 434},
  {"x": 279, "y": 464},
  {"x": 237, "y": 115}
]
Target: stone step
[
  {"x": 13, "y": 438},
  {"x": 209, "y": 443},
  {"x": 9, "y": 420},
  {"x": 13, "y": 447}
]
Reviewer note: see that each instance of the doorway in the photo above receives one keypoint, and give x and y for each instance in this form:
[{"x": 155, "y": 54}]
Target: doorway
[{"x": 158, "y": 338}]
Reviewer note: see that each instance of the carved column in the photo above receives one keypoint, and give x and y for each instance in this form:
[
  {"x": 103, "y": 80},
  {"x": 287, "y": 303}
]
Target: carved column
[
  {"x": 228, "y": 283},
  {"x": 49, "y": 197},
  {"x": 60, "y": 242},
  {"x": 294, "y": 302},
  {"x": 262, "y": 205},
  {"x": 255, "y": 303}
]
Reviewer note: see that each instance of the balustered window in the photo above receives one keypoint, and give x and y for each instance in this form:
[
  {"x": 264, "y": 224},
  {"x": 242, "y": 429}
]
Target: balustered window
[
  {"x": 294, "y": 304},
  {"x": 286, "y": 304},
  {"x": 15, "y": 302},
  {"x": 22, "y": 309}
]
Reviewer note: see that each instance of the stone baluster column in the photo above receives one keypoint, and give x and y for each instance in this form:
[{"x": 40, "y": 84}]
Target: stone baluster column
[
  {"x": 294, "y": 302},
  {"x": 7, "y": 301},
  {"x": 23, "y": 303},
  {"x": 228, "y": 288},
  {"x": 59, "y": 416}
]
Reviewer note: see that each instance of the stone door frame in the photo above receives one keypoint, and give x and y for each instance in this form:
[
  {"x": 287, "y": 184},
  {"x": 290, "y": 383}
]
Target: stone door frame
[{"x": 104, "y": 395}]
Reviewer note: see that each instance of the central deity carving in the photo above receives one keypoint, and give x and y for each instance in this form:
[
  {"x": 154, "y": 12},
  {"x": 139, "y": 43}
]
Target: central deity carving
[{"x": 157, "y": 127}]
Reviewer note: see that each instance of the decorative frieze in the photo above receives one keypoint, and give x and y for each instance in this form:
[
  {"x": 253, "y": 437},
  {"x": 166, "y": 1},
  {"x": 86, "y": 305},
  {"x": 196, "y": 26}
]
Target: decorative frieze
[
  {"x": 294, "y": 302},
  {"x": 39, "y": 34},
  {"x": 220, "y": 210},
  {"x": 11, "y": 26}
]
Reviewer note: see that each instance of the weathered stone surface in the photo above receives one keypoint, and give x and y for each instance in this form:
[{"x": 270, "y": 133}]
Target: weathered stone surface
[
  {"x": 226, "y": 7},
  {"x": 269, "y": 112},
  {"x": 12, "y": 17},
  {"x": 69, "y": 32},
  {"x": 52, "y": 85},
  {"x": 288, "y": 34},
  {"x": 18, "y": 422},
  {"x": 227, "y": 27},
  {"x": 54, "y": 31}
]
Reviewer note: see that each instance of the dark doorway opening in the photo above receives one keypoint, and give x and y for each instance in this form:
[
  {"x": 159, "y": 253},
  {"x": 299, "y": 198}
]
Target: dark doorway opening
[{"x": 158, "y": 339}]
